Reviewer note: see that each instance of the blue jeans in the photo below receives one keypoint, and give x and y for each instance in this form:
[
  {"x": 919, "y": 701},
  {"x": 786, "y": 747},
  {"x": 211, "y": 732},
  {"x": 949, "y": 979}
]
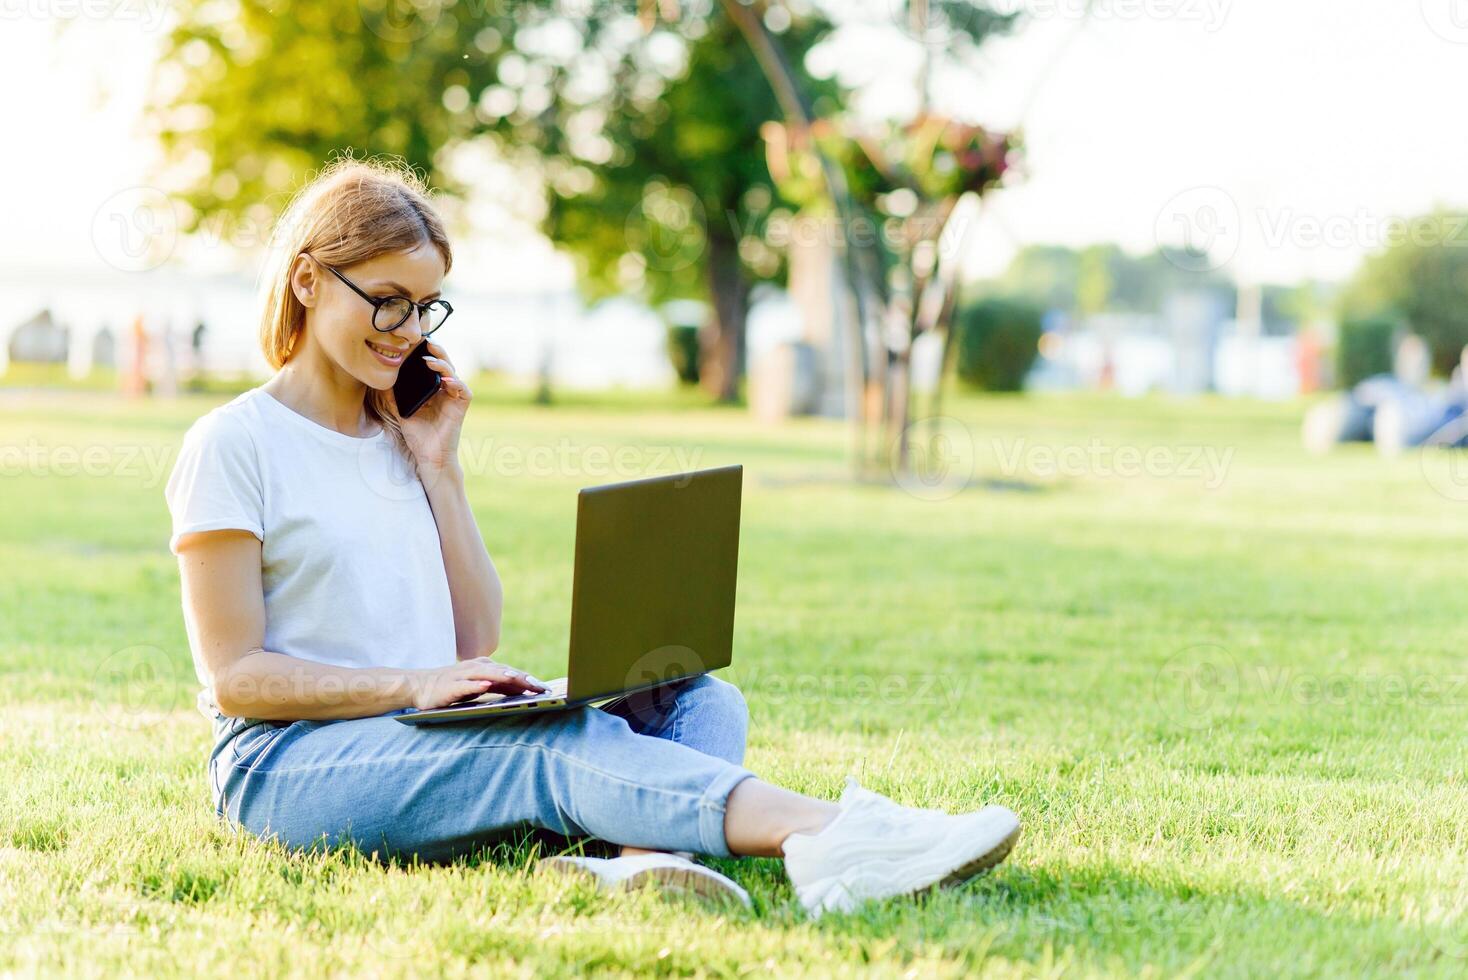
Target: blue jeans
[{"x": 651, "y": 770}]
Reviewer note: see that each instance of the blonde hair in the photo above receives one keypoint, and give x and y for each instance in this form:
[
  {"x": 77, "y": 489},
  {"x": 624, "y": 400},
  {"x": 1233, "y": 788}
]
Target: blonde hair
[{"x": 352, "y": 211}]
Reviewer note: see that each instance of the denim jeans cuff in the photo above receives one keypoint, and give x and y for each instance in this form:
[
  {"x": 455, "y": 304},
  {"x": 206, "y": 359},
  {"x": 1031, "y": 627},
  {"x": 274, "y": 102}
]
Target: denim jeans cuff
[{"x": 711, "y": 810}]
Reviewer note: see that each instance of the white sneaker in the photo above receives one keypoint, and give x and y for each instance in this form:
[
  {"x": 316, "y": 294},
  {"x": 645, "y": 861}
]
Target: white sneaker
[
  {"x": 669, "y": 872},
  {"x": 875, "y": 848}
]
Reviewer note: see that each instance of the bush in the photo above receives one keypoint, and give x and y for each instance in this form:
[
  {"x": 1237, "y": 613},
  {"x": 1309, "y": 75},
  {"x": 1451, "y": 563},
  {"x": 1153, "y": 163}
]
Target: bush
[
  {"x": 1364, "y": 349},
  {"x": 683, "y": 352},
  {"x": 998, "y": 340},
  {"x": 1421, "y": 283}
]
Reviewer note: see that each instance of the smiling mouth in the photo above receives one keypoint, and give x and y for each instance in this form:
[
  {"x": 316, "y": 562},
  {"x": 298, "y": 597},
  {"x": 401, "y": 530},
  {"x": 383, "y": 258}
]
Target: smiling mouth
[{"x": 393, "y": 354}]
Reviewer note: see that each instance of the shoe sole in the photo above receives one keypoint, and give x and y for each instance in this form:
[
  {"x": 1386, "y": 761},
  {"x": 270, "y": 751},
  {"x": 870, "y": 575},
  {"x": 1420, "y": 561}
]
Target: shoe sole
[
  {"x": 560, "y": 866},
  {"x": 674, "y": 881},
  {"x": 683, "y": 881},
  {"x": 987, "y": 861},
  {"x": 980, "y": 864}
]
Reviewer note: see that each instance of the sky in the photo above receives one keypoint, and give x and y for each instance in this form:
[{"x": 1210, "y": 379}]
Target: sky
[
  {"x": 1307, "y": 127},
  {"x": 1287, "y": 137}
]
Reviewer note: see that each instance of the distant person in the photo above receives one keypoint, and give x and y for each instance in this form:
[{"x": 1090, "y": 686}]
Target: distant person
[
  {"x": 196, "y": 356},
  {"x": 104, "y": 348},
  {"x": 1442, "y": 423},
  {"x": 1309, "y": 356},
  {"x": 1392, "y": 410},
  {"x": 318, "y": 608},
  {"x": 165, "y": 380},
  {"x": 135, "y": 371},
  {"x": 1421, "y": 418}
]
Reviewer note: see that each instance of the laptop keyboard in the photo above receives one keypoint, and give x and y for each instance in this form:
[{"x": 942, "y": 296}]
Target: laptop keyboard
[{"x": 555, "y": 689}]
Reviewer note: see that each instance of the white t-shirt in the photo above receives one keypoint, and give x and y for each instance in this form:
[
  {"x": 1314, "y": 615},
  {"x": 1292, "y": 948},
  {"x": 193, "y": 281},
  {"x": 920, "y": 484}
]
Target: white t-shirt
[{"x": 351, "y": 566}]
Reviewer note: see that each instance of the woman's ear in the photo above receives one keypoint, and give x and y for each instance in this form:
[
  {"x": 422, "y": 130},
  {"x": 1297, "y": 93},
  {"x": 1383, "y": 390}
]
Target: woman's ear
[{"x": 304, "y": 282}]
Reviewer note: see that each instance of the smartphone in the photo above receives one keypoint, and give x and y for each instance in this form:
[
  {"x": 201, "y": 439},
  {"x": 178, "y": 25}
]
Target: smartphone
[{"x": 416, "y": 382}]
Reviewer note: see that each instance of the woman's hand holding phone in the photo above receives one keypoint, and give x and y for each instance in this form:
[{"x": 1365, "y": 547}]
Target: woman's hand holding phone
[
  {"x": 432, "y": 432},
  {"x": 440, "y": 686}
]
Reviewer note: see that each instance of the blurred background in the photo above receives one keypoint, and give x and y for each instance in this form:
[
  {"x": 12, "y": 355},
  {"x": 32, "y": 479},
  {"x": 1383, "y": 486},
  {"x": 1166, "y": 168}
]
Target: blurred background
[{"x": 803, "y": 208}]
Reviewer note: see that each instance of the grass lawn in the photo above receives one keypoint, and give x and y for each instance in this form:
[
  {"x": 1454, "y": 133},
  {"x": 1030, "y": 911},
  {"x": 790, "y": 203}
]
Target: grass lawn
[{"x": 1226, "y": 694}]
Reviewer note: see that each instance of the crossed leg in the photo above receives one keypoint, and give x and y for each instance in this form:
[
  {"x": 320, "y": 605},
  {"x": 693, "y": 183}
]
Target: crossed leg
[{"x": 704, "y": 713}]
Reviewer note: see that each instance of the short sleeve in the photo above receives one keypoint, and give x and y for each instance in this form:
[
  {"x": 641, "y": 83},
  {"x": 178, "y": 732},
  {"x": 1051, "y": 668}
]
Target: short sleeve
[{"x": 216, "y": 483}]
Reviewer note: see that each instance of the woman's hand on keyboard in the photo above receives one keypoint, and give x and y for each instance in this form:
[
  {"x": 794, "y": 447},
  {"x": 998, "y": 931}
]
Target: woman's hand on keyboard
[{"x": 466, "y": 679}]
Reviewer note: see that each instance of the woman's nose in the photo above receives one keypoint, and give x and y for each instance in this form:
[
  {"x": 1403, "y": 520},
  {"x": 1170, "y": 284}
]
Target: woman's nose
[{"x": 410, "y": 329}]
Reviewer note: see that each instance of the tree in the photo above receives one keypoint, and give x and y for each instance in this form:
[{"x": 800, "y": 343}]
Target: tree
[
  {"x": 639, "y": 129},
  {"x": 1104, "y": 277},
  {"x": 1047, "y": 275},
  {"x": 681, "y": 191},
  {"x": 525, "y": 80},
  {"x": 908, "y": 179}
]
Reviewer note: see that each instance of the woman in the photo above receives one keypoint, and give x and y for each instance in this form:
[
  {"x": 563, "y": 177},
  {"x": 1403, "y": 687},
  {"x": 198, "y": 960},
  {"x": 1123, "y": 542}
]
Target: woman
[{"x": 333, "y": 576}]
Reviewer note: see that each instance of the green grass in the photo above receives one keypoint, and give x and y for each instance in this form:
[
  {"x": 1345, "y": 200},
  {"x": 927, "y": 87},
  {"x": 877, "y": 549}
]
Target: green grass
[{"x": 1231, "y": 716}]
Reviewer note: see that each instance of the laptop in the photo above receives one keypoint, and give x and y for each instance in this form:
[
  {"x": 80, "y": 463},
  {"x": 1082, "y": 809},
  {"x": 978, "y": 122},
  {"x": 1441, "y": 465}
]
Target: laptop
[{"x": 652, "y": 598}]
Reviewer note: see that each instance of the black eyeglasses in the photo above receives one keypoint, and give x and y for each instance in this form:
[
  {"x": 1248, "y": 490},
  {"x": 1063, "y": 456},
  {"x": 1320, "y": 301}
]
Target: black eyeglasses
[{"x": 391, "y": 312}]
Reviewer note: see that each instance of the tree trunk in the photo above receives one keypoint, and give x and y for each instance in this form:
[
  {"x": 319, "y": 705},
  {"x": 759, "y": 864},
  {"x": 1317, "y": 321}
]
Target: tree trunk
[
  {"x": 796, "y": 108},
  {"x": 721, "y": 341}
]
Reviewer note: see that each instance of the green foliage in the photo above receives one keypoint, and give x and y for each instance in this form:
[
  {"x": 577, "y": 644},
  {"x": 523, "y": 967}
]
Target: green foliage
[
  {"x": 685, "y": 164},
  {"x": 267, "y": 96},
  {"x": 1421, "y": 280},
  {"x": 998, "y": 341},
  {"x": 902, "y": 181},
  {"x": 958, "y": 26},
  {"x": 646, "y": 141},
  {"x": 1286, "y": 308},
  {"x": 1106, "y": 277},
  {"x": 1045, "y": 274},
  {"x": 1364, "y": 348}
]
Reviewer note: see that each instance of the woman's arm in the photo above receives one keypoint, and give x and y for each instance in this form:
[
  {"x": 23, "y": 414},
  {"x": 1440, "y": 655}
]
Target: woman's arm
[
  {"x": 432, "y": 434},
  {"x": 224, "y": 611},
  {"x": 474, "y": 584}
]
